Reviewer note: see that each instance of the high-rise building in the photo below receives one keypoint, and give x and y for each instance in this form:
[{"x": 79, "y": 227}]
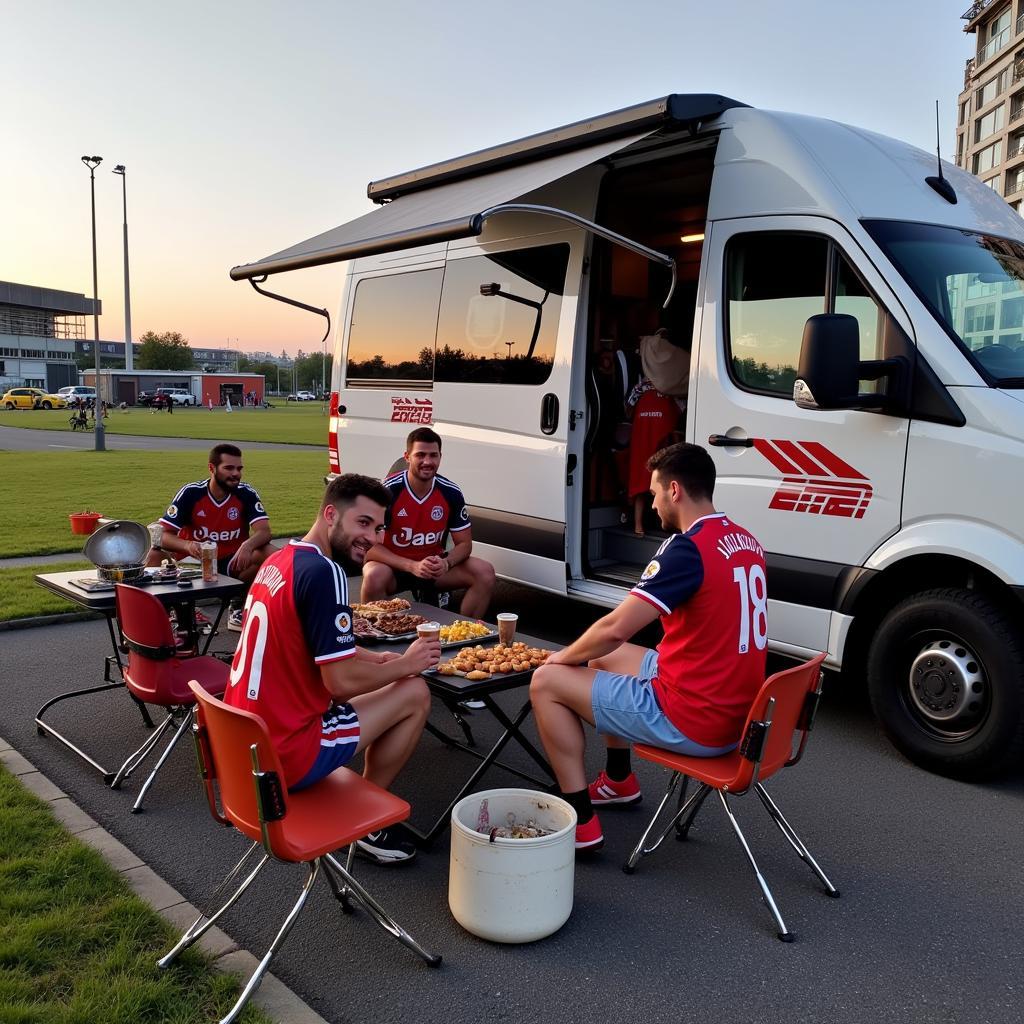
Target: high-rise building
[{"x": 990, "y": 115}]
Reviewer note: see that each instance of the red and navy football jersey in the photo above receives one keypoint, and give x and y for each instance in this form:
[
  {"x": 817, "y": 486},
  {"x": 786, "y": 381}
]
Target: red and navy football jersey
[
  {"x": 710, "y": 586},
  {"x": 195, "y": 515},
  {"x": 418, "y": 527},
  {"x": 297, "y": 617}
]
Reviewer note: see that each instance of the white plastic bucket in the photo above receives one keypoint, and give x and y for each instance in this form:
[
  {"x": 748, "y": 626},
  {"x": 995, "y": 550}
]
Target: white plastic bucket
[{"x": 512, "y": 890}]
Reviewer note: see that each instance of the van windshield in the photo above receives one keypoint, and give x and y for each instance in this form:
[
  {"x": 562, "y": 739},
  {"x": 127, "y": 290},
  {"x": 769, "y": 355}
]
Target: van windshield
[{"x": 972, "y": 283}]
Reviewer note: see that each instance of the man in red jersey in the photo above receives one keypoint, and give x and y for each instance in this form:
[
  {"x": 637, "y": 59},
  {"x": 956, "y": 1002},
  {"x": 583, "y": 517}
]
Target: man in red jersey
[
  {"x": 224, "y": 510},
  {"x": 297, "y": 665},
  {"x": 425, "y": 509},
  {"x": 692, "y": 695}
]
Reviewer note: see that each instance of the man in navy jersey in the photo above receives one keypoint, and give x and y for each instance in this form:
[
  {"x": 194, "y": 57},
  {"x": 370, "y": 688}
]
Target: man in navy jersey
[
  {"x": 297, "y": 665},
  {"x": 692, "y": 695},
  {"x": 425, "y": 509},
  {"x": 224, "y": 510}
]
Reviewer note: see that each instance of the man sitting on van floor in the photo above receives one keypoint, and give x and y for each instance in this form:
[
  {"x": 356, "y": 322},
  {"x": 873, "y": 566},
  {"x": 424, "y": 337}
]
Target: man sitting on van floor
[
  {"x": 425, "y": 508},
  {"x": 297, "y": 665},
  {"x": 224, "y": 510},
  {"x": 692, "y": 695}
]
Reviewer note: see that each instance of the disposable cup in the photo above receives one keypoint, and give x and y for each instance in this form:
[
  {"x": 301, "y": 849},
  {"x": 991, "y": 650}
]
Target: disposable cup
[
  {"x": 429, "y": 630},
  {"x": 507, "y": 622}
]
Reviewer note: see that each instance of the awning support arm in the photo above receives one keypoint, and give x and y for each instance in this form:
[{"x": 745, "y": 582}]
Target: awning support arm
[
  {"x": 295, "y": 302},
  {"x": 612, "y": 236}
]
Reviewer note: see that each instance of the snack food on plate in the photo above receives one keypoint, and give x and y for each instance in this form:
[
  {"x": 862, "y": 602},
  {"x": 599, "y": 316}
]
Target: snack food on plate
[
  {"x": 375, "y": 609},
  {"x": 398, "y": 625},
  {"x": 483, "y": 662},
  {"x": 463, "y": 629}
]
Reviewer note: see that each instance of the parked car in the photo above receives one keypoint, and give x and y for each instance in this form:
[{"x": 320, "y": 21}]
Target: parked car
[
  {"x": 180, "y": 396},
  {"x": 32, "y": 398},
  {"x": 302, "y": 396},
  {"x": 73, "y": 392}
]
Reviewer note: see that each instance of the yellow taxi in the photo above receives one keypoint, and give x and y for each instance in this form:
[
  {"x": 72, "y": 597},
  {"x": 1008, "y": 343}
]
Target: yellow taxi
[{"x": 31, "y": 398}]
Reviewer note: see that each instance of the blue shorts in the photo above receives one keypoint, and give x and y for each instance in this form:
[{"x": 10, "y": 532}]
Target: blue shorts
[
  {"x": 626, "y": 706},
  {"x": 339, "y": 738}
]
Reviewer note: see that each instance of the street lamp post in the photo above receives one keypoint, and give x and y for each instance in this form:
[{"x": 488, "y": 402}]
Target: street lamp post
[
  {"x": 129, "y": 355},
  {"x": 92, "y": 162}
]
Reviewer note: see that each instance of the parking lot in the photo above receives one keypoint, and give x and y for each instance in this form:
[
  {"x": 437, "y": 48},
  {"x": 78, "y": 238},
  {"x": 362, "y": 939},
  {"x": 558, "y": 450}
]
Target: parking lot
[{"x": 929, "y": 869}]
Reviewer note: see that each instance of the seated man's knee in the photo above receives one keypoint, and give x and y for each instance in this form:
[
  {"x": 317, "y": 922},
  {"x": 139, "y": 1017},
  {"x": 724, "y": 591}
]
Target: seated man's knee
[
  {"x": 540, "y": 684},
  {"x": 418, "y": 694},
  {"x": 485, "y": 573}
]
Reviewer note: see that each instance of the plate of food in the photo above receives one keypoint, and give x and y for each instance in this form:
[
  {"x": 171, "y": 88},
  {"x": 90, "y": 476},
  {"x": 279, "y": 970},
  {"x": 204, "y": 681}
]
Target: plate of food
[
  {"x": 465, "y": 631},
  {"x": 476, "y": 664},
  {"x": 379, "y": 626}
]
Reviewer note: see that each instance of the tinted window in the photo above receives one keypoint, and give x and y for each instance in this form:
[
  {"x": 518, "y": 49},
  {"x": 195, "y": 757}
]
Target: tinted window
[
  {"x": 499, "y": 316},
  {"x": 391, "y": 335},
  {"x": 775, "y": 282}
]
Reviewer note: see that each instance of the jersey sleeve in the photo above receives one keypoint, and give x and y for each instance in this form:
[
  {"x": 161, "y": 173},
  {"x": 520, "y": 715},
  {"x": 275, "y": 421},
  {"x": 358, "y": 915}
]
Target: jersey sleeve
[
  {"x": 321, "y": 601},
  {"x": 179, "y": 512},
  {"x": 673, "y": 576},
  {"x": 458, "y": 514},
  {"x": 254, "y": 510}
]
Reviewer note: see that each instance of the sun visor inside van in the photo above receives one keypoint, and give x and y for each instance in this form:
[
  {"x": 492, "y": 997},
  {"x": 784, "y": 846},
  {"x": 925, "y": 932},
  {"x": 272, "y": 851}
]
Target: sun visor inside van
[{"x": 433, "y": 215}]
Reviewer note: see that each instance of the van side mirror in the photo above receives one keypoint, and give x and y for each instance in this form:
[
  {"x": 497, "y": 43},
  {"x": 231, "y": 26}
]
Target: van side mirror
[{"x": 831, "y": 369}]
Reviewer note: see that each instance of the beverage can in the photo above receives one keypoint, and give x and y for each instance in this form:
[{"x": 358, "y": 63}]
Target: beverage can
[
  {"x": 208, "y": 550},
  {"x": 156, "y": 534}
]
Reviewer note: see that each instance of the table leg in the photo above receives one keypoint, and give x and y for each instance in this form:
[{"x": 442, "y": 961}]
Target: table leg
[
  {"x": 486, "y": 761},
  {"x": 224, "y": 602}
]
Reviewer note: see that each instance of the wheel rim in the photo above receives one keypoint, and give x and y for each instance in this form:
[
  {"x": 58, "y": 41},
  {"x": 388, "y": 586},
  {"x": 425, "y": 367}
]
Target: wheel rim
[{"x": 946, "y": 689}]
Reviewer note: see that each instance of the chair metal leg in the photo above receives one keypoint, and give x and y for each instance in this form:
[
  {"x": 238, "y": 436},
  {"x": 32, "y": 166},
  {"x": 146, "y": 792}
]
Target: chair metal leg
[
  {"x": 183, "y": 728},
  {"x": 257, "y": 976},
  {"x": 135, "y": 759},
  {"x": 380, "y": 915},
  {"x": 641, "y": 850},
  {"x": 794, "y": 840},
  {"x": 783, "y": 932},
  {"x": 684, "y": 824},
  {"x": 338, "y": 887},
  {"x": 202, "y": 924}
]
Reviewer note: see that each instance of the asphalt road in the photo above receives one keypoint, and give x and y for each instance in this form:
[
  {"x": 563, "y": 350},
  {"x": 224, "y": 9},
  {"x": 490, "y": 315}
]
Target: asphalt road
[
  {"x": 927, "y": 929},
  {"x": 18, "y": 439}
]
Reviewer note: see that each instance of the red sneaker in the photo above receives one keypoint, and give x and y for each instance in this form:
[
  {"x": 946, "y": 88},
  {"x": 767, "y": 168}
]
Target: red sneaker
[
  {"x": 589, "y": 836},
  {"x": 607, "y": 791}
]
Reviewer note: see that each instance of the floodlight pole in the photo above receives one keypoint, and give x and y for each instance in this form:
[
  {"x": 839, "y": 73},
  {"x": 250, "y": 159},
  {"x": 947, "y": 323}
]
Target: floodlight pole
[
  {"x": 129, "y": 354},
  {"x": 92, "y": 162}
]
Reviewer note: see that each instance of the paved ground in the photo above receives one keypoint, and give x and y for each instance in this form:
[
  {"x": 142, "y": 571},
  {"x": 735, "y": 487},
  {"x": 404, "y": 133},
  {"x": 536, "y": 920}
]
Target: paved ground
[
  {"x": 927, "y": 929},
  {"x": 18, "y": 439}
]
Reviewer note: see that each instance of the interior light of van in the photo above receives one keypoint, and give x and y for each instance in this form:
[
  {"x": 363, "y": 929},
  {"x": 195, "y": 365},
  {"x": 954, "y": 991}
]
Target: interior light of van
[{"x": 698, "y": 237}]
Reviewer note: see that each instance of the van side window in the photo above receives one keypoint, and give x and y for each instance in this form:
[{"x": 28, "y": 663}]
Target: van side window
[
  {"x": 391, "y": 334},
  {"x": 499, "y": 316},
  {"x": 775, "y": 281}
]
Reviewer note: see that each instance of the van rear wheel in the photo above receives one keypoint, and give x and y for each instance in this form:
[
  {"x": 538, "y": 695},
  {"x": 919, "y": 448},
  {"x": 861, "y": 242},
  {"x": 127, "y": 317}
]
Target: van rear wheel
[{"x": 946, "y": 682}]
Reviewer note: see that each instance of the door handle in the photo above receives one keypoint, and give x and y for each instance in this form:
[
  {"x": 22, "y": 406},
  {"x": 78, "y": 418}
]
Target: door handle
[
  {"x": 724, "y": 441},
  {"x": 549, "y": 413}
]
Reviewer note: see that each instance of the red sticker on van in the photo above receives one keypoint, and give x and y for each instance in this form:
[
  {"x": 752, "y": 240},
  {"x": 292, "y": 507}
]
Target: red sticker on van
[
  {"x": 815, "y": 480},
  {"x": 411, "y": 410}
]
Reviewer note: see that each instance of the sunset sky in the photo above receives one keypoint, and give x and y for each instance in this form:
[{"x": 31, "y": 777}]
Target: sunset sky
[{"x": 248, "y": 127}]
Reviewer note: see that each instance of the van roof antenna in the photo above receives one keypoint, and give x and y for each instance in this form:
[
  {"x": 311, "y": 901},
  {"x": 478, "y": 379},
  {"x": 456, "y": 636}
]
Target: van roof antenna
[{"x": 938, "y": 182}]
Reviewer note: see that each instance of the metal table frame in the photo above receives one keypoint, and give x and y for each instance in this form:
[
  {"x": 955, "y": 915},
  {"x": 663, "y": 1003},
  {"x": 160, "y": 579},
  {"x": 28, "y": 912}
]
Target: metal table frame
[
  {"x": 453, "y": 689},
  {"x": 169, "y": 594}
]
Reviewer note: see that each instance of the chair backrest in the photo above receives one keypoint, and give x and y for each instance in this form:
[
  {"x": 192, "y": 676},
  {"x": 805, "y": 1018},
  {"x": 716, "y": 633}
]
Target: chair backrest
[
  {"x": 146, "y": 628},
  {"x": 789, "y": 689},
  {"x": 225, "y": 737}
]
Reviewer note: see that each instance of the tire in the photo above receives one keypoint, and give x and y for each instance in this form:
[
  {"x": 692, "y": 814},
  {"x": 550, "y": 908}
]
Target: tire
[
  {"x": 946, "y": 681},
  {"x": 47, "y": 405},
  {"x": 9, "y": 406}
]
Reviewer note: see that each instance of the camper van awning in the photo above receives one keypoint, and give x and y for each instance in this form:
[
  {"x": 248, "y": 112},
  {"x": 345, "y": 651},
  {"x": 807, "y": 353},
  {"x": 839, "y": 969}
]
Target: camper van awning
[{"x": 434, "y": 215}]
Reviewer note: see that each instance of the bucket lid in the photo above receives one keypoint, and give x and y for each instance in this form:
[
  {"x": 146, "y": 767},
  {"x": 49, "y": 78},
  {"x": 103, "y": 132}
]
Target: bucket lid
[{"x": 122, "y": 542}]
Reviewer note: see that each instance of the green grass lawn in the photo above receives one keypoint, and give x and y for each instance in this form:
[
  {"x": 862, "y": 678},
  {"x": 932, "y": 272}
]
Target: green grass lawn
[
  {"x": 40, "y": 489},
  {"x": 77, "y": 945},
  {"x": 22, "y": 598},
  {"x": 292, "y": 423}
]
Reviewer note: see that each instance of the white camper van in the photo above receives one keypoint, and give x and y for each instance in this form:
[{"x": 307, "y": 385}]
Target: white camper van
[{"x": 852, "y": 314}]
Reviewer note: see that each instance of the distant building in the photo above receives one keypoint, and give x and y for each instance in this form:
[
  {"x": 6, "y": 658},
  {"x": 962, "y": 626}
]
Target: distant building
[
  {"x": 990, "y": 115},
  {"x": 207, "y": 389},
  {"x": 39, "y": 329}
]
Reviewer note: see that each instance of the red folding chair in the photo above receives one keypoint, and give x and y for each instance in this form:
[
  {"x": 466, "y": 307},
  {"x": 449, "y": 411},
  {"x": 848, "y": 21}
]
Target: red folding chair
[
  {"x": 156, "y": 673},
  {"x": 782, "y": 711},
  {"x": 299, "y": 828}
]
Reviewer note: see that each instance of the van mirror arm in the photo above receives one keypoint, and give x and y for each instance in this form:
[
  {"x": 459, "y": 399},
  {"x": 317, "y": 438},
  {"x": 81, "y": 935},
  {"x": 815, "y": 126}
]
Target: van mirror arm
[
  {"x": 294, "y": 302},
  {"x": 612, "y": 236}
]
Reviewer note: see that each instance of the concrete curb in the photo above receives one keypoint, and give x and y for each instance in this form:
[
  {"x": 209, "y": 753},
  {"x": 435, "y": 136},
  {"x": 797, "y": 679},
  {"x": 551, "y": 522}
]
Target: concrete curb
[
  {"x": 273, "y": 996},
  {"x": 47, "y": 620}
]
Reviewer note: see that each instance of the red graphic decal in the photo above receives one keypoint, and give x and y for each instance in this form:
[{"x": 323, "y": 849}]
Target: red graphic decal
[
  {"x": 815, "y": 480},
  {"x": 412, "y": 410}
]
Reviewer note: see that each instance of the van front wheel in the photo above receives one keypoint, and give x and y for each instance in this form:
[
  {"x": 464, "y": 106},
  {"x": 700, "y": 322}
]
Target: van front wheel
[{"x": 946, "y": 681}]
